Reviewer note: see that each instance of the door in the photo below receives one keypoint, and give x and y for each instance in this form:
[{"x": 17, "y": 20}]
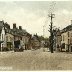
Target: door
[
  {"x": 71, "y": 48},
  {"x": 67, "y": 48}
]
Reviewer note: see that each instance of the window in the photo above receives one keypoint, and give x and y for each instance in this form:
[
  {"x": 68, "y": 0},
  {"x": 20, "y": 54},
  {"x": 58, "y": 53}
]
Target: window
[
  {"x": 2, "y": 36},
  {"x": 63, "y": 45},
  {"x": 20, "y": 38},
  {"x": 68, "y": 41},
  {"x": 68, "y": 34},
  {"x": 10, "y": 38},
  {"x": 71, "y": 34},
  {"x": 7, "y": 38},
  {"x": 63, "y": 37}
]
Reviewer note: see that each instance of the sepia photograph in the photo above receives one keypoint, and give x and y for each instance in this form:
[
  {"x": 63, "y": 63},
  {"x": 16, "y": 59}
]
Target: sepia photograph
[{"x": 35, "y": 35}]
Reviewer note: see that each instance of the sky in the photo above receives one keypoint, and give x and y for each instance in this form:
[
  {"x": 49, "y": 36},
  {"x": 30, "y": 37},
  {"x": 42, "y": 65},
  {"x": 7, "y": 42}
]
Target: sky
[{"x": 33, "y": 15}]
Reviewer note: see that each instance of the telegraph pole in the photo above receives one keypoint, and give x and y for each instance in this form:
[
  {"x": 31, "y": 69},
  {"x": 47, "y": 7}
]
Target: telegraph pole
[{"x": 51, "y": 32}]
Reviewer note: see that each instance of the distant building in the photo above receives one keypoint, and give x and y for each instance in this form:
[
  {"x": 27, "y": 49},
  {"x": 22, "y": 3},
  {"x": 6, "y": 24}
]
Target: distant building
[
  {"x": 58, "y": 40},
  {"x": 27, "y": 40},
  {"x": 35, "y": 42},
  {"x": 54, "y": 39}
]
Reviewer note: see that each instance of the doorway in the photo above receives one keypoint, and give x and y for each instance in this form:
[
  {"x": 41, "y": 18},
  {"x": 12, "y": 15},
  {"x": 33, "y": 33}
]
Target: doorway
[{"x": 71, "y": 48}]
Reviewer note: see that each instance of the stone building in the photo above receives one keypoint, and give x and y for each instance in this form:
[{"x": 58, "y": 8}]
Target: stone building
[
  {"x": 66, "y": 42},
  {"x": 35, "y": 41},
  {"x": 5, "y": 36},
  {"x": 9, "y": 37},
  {"x": 56, "y": 39},
  {"x": 16, "y": 33},
  {"x": 21, "y": 35}
]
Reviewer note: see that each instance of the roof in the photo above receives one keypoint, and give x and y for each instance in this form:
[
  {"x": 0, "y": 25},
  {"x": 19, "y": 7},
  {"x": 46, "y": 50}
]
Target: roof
[
  {"x": 14, "y": 31},
  {"x": 58, "y": 33},
  {"x": 35, "y": 38},
  {"x": 6, "y": 27},
  {"x": 18, "y": 32},
  {"x": 1, "y": 24},
  {"x": 68, "y": 28}
]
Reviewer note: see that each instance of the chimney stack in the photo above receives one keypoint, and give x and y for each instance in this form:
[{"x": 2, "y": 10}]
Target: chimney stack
[
  {"x": 14, "y": 25},
  {"x": 20, "y": 27}
]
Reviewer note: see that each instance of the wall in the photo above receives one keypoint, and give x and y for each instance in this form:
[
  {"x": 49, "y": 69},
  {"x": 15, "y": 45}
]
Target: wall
[
  {"x": 9, "y": 37},
  {"x": 3, "y": 38}
]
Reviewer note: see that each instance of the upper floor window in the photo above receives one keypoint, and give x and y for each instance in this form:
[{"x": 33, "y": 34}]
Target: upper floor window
[
  {"x": 2, "y": 36},
  {"x": 63, "y": 37},
  {"x": 68, "y": 34},
  {"x": 10, "y": 38},
  {"x": 7, "y": 38}
]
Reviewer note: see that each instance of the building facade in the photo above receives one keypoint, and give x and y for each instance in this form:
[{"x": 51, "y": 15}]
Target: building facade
[
  {"x": 67, "y": 40},
  {"x": 9, "y": 41},
  {"x": 66, "y": 35}
]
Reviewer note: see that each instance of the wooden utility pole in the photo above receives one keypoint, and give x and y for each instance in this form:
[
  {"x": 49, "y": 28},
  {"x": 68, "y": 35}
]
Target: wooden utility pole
[{"x": 51, "y": 32}]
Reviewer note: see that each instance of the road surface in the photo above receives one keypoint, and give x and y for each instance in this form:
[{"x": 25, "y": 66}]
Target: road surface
[{"x": 35, "y": 60}]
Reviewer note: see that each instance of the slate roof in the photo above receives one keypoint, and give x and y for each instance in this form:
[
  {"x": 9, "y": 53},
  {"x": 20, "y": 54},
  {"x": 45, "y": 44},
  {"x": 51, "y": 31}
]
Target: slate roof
[
  {"x": 68, "y": 28},
  {"x": 6, "y": 27},
  {"x": 14, "y": 31},
  {"x": 18, "y": 32}
]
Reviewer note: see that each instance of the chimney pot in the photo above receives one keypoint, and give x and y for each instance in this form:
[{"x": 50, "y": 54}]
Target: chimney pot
[
  {"x": 20, "y": 27},
  {"x": 14, "y": 25}
]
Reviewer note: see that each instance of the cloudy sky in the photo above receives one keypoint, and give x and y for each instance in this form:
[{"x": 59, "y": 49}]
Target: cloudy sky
[{"x": 33, "y": 15}]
